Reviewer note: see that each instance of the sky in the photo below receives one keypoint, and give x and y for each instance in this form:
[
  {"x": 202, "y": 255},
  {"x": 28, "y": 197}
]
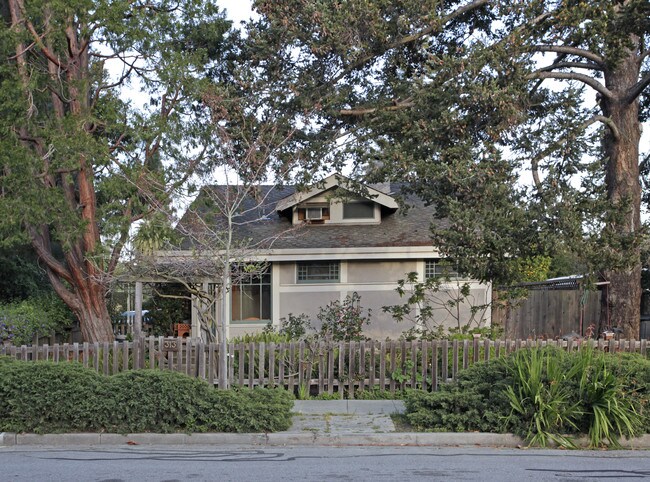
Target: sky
[{"x": 237, "y": 10}]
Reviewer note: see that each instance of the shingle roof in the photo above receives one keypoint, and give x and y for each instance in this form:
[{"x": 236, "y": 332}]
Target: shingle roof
[{"x": 263, "y": 224}]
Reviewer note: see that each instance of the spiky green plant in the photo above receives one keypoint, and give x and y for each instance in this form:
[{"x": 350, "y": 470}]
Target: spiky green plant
[
  {"x": 540, "y": 400},
  {"x": 609, "y": 413}
]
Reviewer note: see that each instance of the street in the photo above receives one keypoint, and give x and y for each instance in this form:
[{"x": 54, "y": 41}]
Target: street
[{"x": 226, "y": 463}]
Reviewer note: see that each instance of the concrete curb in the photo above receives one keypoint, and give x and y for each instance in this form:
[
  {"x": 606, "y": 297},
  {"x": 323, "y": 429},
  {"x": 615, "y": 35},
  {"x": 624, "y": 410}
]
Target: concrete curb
[{"x": 441, "y": 439}]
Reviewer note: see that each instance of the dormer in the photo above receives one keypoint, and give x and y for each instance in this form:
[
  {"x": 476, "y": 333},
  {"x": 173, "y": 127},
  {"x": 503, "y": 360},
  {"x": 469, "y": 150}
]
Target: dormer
[{"x": 337, "y": 200}]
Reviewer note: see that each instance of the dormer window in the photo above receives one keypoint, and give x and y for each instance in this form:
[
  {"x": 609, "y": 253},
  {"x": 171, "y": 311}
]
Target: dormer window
[
  {"x": 317, "y": 213},
  {"x": 335, "y": 201},
  {"x": 359, "y": 210}
]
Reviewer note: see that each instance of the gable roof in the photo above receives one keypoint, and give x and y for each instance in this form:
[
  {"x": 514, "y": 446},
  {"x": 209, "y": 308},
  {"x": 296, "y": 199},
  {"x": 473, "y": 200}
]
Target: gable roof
[
  {"x": 269, "y": 224},
  {"x": 334, "y": 181}
]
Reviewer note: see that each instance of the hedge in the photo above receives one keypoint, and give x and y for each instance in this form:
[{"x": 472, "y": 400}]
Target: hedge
[
  {"x": 544, "y": 395},
  {"x": 45, "y": 397}
]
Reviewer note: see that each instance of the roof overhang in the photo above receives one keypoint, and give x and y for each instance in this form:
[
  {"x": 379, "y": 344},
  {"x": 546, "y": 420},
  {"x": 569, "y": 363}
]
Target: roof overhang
[{"x": 306, "y": 254}]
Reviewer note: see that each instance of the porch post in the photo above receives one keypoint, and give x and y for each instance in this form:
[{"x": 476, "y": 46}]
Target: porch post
[{"x": 137, "y": 321}]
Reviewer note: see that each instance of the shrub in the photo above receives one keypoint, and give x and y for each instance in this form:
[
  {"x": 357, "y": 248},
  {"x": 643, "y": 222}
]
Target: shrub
[
  {"x": 609, "y": 410},
  {"x": 634, "y": 372},
  {"x": 152, "y": 401},
  {"x": 295, "y": 327},
  {"x": 544, "y": 395},
  {"x": 343, "y": 321},
  {"x": 544, "y": 407},
  {"x": 46, "y": 397},
  {"x": 475, "y": 402},
  {"x": 20, "y": 321}
]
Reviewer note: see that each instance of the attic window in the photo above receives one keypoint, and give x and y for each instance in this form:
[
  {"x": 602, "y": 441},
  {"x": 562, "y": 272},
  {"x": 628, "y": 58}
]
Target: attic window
[
  {"x": 313, "y": 213},
  {"x": 359, "y": 210}
]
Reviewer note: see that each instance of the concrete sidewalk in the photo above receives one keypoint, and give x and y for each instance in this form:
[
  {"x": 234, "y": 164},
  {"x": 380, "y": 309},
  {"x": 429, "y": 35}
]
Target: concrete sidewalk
[{"x": 315, "y": 422}]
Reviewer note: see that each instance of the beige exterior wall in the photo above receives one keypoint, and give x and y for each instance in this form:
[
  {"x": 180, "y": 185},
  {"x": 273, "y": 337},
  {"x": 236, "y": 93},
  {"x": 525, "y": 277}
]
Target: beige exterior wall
[
  {"x": 375, "y": 282},
  {"x": 366, "y": 272},
  {"x": 236, "y": 330}
]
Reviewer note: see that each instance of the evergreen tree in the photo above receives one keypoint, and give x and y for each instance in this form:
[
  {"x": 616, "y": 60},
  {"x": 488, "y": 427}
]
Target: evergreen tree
[
  {"x": 461, "y": 98},
  {"x": 80, "y": 161}
]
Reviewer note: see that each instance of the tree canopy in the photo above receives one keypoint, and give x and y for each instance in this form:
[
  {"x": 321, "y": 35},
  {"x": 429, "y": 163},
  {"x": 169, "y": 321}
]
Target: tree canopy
[
  {"x": 520, "y": 120},
  {"x": 81, "y": 160}
]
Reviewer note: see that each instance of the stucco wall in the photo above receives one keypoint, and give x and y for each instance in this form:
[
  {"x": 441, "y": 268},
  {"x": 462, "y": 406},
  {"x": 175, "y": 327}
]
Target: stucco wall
[
  {"x": 379, "y": 271},
  {"x": 374, "y": 281}
]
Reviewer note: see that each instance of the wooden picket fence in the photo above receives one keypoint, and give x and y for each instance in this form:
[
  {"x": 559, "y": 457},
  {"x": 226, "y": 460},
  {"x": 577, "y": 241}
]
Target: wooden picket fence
[{"x": 314, "y": 368}]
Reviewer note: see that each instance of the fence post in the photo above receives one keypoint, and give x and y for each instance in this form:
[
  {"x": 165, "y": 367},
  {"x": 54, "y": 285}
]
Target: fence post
[
  {"x": 251, "y": 364},
  {"x": 425, "y": 362},
  {"x": 445, "y": 360},
  {"x": 362, "y": 365},
  {"x": 271, "y": 364},
  {"x": 262, "y": 361},
  {"x": 351, "y": 374},
  {"x": 341, "y": 377},
  {"x": 434, "y": 366},
  {"x": 382, "y": 366}
]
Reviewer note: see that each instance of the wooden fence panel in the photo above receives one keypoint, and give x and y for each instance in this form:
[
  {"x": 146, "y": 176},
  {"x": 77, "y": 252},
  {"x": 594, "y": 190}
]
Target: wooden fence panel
[
  {"x": 361, "y": 366},
  {"x": 549, "y": 313}
]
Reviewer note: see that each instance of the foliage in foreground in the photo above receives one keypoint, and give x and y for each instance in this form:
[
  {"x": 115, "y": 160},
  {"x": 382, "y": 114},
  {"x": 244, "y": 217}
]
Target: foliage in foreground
[
  {"x": 544, "y": 395},
  {"x": 44, "y": 397}
]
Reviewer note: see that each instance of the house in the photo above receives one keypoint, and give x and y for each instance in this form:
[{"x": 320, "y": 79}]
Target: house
[{"x": 320, "y": 245}]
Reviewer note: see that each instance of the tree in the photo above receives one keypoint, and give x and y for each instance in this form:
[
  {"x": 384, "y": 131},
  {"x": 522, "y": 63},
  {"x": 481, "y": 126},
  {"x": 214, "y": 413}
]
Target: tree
[
  {"x": 213, "y": 253},
  {"x": 455, "y": 98},
  {"x": 438, "y": 304},
  {"x": 75, "y": 151}
]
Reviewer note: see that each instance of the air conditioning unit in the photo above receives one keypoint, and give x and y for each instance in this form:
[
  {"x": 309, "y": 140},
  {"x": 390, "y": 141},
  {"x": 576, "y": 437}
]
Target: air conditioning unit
[{"x": 314, "y": 214}]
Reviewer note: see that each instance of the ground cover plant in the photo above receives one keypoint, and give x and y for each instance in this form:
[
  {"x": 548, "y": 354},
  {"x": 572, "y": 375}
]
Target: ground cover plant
[
  {"x": 545, "y": 395},
  {"x": 45, "y": 397}
]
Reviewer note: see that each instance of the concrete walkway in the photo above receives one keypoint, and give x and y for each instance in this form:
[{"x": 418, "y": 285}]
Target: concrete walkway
[{"x": 342, "y": 417}]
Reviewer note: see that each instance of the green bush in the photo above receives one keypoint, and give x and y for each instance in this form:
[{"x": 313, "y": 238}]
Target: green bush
[
  {"x": 544, "y": 395},
  {"x": 475, "y": 402},
  {"x": 20, "y": 321},
  {"x": 44, "y": 397}
]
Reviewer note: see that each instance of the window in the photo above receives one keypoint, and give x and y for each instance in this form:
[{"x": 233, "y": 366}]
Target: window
[
  {"x": 251, "y": 296},
  {"x": 314, "y": 213},
  {"x": 318, "y": 272},
  {"x": 440, "y": 269},
  {"x": 359, "y": 210}
]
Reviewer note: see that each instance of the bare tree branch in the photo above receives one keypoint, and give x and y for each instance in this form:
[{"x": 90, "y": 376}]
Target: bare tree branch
[
  {"x": 397, "y": 105},
  {"x": 636, "y": 90},
  {"x": 565, "y": 49},
  {"x": 585, "y": 79},
  {"x": 574, "y": 65}
]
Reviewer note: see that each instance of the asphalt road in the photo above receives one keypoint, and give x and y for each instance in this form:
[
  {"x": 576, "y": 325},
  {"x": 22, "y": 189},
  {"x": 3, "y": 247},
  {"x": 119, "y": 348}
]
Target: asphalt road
[{"x": 183, "y": 463}]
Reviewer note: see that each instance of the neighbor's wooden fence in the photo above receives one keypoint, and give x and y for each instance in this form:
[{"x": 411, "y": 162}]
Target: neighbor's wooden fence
[
  {"x": 549, "y": 313},
  {"x": 319, "y": 368}
]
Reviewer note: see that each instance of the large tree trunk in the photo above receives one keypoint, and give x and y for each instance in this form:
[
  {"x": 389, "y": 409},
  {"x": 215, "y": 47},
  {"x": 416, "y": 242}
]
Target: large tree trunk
[
  {"x": 621, "y": 308},
  {"x": 95, "y": 322}
]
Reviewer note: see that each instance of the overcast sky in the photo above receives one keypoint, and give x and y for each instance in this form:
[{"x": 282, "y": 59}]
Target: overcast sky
[{"x": 236, "y": 10}]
